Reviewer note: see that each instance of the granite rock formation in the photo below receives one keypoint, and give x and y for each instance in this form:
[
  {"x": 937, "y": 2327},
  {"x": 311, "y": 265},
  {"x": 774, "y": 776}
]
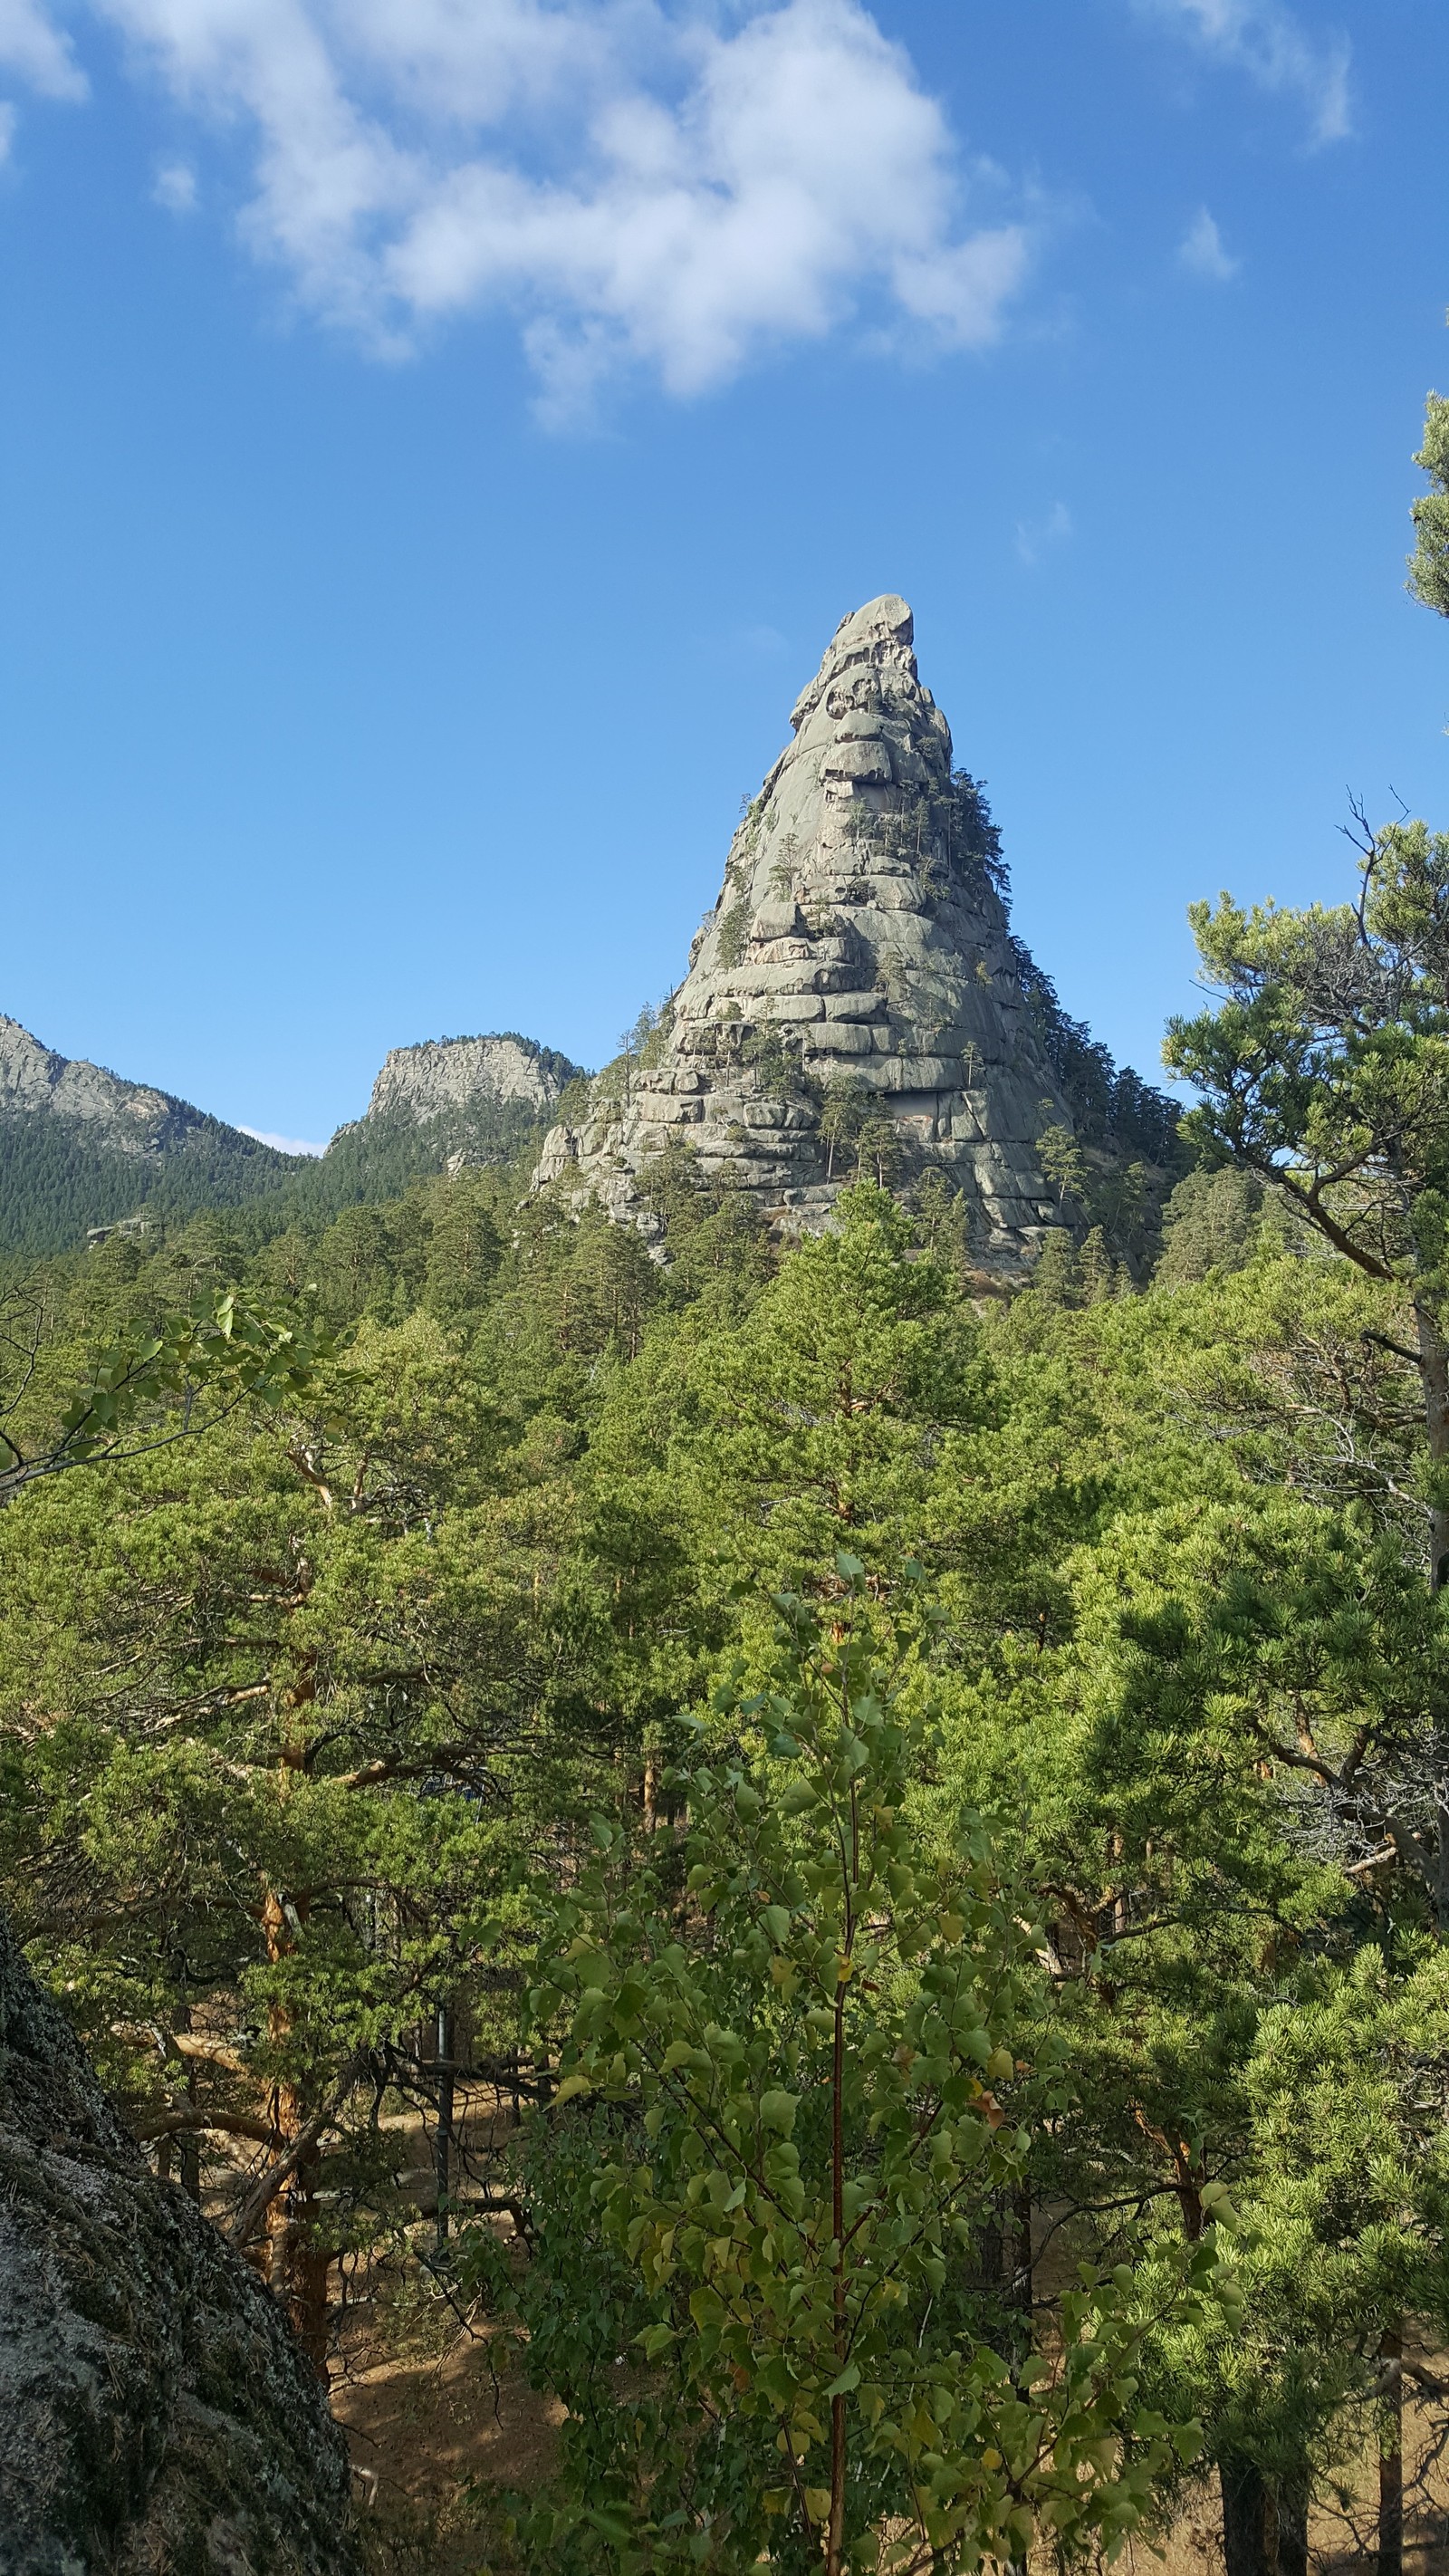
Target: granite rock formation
[
  {"x": 124, "y": 1117},
  {"x": 446, "y": 1074},
  {"x": 81, "y": 1148},
  {"x": 157, "y": 2412},
  {"x": 855, "y": 997}
]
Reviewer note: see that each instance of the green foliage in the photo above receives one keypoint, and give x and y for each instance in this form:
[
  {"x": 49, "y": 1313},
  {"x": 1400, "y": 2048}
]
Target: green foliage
[
  {"x": 1057, "y": 1277},
  {"x": 1325, "y": 1068},
  {"x": 230, "y": 1355},
  {"x": 1429, "y": 562},
  {"x": 55, "y": 1181},
  {"x": 1063, "y": 1164},
  {"x": 302, "y": 1726},
  {"x": 1097, "y": 1269},
  {"x": 845, "y": 1106},
  {"x": 822, "y": 2110},
  {"x": 778, "y": 1071},
  {"x": 1324, "y": 1072},
  {"x": 814, "y": 1420},
  {"x": 1211, "y": 1222},
  {"x": 734, "y": 933}
]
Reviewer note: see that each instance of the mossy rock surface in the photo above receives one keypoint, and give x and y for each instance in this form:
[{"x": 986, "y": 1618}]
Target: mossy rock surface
[{"x": 158, "y": 2418}]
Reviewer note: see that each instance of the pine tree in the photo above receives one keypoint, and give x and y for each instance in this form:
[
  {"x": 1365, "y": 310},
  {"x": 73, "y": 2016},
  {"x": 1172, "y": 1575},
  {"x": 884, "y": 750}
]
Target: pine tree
[
  {"x": 1057, "y": 1276},
  {"x": 1097, "y": 1267},
  {"x": 1429, "y": 562}
]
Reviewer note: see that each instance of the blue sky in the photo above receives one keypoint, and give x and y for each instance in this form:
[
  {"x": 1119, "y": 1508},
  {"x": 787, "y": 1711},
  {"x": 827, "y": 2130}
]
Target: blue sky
[{"x": 438, "y": 437}]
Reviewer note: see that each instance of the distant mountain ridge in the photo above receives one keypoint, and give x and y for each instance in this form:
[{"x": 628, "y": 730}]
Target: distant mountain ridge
[
  {"x": 131, "y": 1118},
  {"x": 81, "y": 1147}
]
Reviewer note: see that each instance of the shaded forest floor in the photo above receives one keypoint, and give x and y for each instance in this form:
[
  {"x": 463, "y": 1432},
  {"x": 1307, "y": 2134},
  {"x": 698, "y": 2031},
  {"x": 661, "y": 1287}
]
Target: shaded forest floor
[
  {"x": 435, "y": 2434},
  {"x": 440, "y": 2425},
  {"x": 428, "y": 2427}
]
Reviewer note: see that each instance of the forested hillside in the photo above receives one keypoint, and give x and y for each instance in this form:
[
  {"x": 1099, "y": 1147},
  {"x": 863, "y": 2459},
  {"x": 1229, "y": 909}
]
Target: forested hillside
[
  {"x": 823, "y": 1863},
  {"x": 924, "y": 1798},
  {"x": 63, "y": 1174}
]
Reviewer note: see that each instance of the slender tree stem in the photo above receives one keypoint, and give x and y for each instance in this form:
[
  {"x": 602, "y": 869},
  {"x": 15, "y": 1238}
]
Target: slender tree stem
[
  {"x": 1434, "y": 1377},
  {"x": 1391, "y": 2458},
  {"x": 835, "y": 2537}
]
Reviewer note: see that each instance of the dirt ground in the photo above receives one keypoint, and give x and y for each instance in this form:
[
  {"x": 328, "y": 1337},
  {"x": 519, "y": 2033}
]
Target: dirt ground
[
  {"x": 437, "y": 2429},
  {"x": 430, "y": 2424},
  {"x": 432, "y": 2432},
  {"x": 436, "y": 2420}
]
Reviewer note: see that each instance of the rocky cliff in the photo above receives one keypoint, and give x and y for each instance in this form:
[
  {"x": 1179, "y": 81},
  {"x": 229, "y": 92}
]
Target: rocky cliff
[
  {"x": 122, "y": 1117},
  {"x": 156, "y": 2411},
  {"x": 855, "y": 999},
  {"x": 81, "y": 1149},
  {"x": 448, "y": 1074}
]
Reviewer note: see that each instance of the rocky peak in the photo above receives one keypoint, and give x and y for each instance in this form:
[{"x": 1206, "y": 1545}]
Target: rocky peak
[
  {"x": 130, "y": 1117},
  {"x": 445, "y": 1074},
  {"x": 854, "y": 999}
]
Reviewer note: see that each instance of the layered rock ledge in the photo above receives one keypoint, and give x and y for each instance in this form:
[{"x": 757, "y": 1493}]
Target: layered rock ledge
[{"x": 856, "y": 978}]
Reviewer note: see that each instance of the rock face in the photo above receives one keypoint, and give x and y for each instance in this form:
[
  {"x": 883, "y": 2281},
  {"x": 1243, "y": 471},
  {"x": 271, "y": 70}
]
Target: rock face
[
  {"x": 80, "y": 1149},
  {"x": 126, "y": 1117},
  {"x": 443, "y": 1074},
  {"x": 157, "y": 2413},
  {"x": 854, "y": 997},
  {"x": 82, "y": 1152}
]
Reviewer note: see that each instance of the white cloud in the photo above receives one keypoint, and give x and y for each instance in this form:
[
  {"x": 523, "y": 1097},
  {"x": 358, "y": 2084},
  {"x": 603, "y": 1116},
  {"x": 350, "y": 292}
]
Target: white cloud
[
  {"x": 34, "y": 49},
  {"x": 1038, "y": 537},
  {"x": 7, "y": 129},
  {"x": 175, "y": 187},
  {"x": 283, "y": 1144},
  {"x": 1267, "y": 42},
  {"x": 674, "y": 185},
  {"x": 1203, "y": 251}
]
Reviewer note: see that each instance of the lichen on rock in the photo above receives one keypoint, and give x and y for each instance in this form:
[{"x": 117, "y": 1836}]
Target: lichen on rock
[{"x": 157, "y": 2414}]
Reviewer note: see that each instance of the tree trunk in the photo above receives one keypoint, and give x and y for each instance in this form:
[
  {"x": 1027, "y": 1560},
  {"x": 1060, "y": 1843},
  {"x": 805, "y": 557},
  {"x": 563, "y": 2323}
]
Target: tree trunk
[
  {"x": 1391, "y": 2458},
  {"x": 1247, "y": 2517},
  {"x": 1434, "y": 1378},
  {"x": 835, "y": 2534},
  {"x": 1024, "y": 2257},
  {"x": 308, "y": 2263},
  {"x": 443, "y": 2143},
  {"x": 1293, "y": 2500},
  {"x": 190, "y": 2145},
  {"x": 296, "y": 2267}
]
